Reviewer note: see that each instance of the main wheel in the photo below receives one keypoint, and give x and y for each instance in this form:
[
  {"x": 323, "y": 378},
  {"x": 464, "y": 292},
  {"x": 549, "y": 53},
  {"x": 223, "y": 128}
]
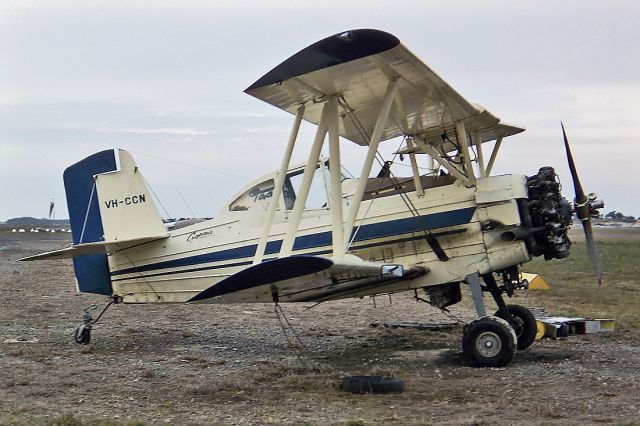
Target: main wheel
[
  {"x": 523, "y": 323},
  {"x": 488, "y": 342}
]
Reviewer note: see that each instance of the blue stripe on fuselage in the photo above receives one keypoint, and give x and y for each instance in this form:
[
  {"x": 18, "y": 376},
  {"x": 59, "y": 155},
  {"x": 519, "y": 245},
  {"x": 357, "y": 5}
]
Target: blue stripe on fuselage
[{"x": 322, "y": 239}]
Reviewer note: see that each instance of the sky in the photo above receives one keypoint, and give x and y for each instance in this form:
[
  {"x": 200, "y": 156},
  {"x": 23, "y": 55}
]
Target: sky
[{"x": 165, "y": 81}]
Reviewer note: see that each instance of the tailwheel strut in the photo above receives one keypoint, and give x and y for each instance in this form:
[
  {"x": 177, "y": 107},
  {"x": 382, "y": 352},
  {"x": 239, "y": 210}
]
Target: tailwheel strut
[{"x": 82, "y": 333}]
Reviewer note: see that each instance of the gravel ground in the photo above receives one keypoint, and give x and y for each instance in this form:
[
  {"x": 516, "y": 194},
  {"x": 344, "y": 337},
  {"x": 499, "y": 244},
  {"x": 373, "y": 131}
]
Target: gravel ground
[{"x": 232, "y": 364}]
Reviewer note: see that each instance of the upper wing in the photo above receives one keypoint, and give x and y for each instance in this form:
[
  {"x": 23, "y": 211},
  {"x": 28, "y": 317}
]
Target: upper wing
[
  {"x": 93, "y": 248},
  {"x": 357, "y": 66},
  {"x": 306, "y": 278}
]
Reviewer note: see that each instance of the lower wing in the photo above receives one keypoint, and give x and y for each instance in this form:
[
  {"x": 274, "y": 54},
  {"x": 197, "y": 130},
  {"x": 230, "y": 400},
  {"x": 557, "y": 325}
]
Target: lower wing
[{"x": 307, "y": 279}]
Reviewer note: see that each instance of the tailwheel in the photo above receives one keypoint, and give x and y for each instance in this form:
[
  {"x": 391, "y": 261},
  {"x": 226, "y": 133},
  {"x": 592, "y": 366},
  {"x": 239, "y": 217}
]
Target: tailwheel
[
  {"x": 82, "y": 334},
  {"x": 488, "y": 342},
  {"x": 523, "y": 323}
]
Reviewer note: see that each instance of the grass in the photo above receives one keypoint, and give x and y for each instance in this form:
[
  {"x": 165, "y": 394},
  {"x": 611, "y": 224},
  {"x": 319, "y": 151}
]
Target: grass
[{"x": 574, "y": 290}]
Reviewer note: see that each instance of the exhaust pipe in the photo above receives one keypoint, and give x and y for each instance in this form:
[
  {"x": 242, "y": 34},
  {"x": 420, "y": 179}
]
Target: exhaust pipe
[{"x": 518, "y": 234}]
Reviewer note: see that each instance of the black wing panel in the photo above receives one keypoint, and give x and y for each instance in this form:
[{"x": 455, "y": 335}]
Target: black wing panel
[
  {"x": 337, "y": 49},
  {"x": 266, "y": 273}
]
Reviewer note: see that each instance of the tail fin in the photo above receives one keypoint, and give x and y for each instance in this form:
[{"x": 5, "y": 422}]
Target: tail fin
[
  {"x": 108, "y": 201},
  {"x": 126, "y": 206}
]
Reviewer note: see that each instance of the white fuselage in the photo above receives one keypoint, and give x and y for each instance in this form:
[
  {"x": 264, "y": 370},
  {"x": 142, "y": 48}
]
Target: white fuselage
[{"x": 467, "y": 222}]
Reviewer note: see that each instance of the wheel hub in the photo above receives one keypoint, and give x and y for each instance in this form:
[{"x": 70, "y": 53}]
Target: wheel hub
[
  {"x": 488, "y": 344},
  {"x": 518, "y": 326}
]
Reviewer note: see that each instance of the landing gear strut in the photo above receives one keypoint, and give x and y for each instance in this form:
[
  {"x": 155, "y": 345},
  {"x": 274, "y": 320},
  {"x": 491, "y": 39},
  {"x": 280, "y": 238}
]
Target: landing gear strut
[
  {"x": 82, "y": 333},
  {"x": 491, "y": 340},
  {"x": 523, "y": 323},
  {"x": 518, "y": 317}
]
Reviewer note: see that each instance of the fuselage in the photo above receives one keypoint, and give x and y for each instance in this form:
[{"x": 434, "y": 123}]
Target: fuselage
[{"x": 468, "y": 223}]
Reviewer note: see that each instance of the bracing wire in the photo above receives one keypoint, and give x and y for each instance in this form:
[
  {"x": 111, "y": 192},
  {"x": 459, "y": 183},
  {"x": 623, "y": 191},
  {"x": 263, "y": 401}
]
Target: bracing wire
[
  {"x": 375, "y": 193},
  {"x": 86, "y": 216},
  {"x": 156, "y": 197},
  {"x": 190, "y": 165},
  {"x": 284, "y": 324},
  {"x": 410, "y": 206},
  {"x": 184, "y": 200}
]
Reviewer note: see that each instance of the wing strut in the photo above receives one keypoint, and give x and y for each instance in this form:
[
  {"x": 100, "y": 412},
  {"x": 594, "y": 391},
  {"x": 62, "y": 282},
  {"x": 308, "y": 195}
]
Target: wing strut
[
  {"x": 494, "y": 155},
  {"x": 328, "y": 124},
  {"x": 477, "y": 141},
  {"x": 307, "y": 177},
  {"x": 461, "y": 135},
  {"x": 381, "y": 121},
  {"x": 430, "y": 150},
  {"x": 335, "y": 203},
  {"x": 278, "y": 185},
  {"x": 416, "y": 172}
]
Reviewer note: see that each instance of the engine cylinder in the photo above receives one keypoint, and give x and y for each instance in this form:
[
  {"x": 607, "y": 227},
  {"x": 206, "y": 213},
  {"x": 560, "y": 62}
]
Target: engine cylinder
[{"x": 550, "y": 215}]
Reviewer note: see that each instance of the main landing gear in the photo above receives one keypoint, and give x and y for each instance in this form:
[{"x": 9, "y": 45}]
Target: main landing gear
[
  {"x": 492, "y": 340},
  {"x": 488, "y": 342},
  {"x": 82, "y": 333}
]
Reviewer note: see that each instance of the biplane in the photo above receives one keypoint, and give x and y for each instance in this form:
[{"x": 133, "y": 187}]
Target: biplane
[{"x": 312, "y": 232}]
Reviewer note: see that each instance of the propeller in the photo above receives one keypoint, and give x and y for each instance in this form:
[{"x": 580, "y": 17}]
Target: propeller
[{"x": 585, "y": 207}]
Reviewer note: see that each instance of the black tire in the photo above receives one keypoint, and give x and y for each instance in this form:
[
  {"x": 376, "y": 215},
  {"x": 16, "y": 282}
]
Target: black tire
[
  {"x": 523, "y": 323},
  {"x": 488, "y": 342},
  {"x": 82, "y": 334},
  {"x": 372, "y": 384}
]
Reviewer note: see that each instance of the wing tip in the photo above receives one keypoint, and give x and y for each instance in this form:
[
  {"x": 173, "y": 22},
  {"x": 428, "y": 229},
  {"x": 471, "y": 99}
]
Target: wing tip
[{"x": 336, "y": 49}]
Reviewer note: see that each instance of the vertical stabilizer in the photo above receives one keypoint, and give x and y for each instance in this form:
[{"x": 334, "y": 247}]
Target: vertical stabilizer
[
  {"x": 92, "y": 271},
  {"x": 127, "y": 209},
  {"x": 108, "y": 201}
]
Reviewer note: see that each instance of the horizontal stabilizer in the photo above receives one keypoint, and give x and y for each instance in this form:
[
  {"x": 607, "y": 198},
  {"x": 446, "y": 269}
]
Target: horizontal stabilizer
[
  {"x": 302, "y": 278},
  {"x": 99, "y": 247}
]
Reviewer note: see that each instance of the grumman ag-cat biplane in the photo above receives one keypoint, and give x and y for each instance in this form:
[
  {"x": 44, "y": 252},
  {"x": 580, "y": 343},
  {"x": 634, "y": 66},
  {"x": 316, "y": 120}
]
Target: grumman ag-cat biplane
[{"x": 312, "y": 233}]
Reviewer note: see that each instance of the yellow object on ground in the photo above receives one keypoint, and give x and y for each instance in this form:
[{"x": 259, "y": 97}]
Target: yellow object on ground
[
  {"x": 539, "y": 330},
  {"x": 536, "y": 282},
  {"x": 607, "y": 325}
]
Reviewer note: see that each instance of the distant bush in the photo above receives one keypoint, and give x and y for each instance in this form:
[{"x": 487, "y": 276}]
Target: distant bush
[
  {"x": 32, "y": 221},
  {"x": 614, "y": 215}
]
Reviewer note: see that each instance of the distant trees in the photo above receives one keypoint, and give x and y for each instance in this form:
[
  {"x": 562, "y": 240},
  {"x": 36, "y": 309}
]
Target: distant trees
[
  {"x": 32, "y": 221},
  {"x": 619, "y": 216}
]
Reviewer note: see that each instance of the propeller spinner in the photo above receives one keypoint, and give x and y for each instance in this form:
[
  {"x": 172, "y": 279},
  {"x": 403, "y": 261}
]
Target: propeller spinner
[{"x": 585, "y": 207}]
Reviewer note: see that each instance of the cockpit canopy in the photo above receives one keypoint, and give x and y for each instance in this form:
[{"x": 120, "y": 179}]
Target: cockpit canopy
[{"x": 257, "y": 194}]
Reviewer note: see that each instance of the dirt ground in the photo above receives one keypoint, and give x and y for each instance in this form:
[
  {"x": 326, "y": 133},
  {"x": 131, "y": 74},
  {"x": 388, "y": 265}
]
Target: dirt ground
[{"x": 204, "y": 364}]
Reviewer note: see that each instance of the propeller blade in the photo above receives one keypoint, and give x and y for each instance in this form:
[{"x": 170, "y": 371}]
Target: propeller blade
[
  {"x": 583, "y": 210},
  {"x": 591, "y": 249},
  {"x": 580, "y": 195}
]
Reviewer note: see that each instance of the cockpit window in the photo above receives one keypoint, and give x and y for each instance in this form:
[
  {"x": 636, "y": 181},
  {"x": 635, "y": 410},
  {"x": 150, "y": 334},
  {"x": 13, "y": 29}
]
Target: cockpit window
[
  {"x": 260, "y": 195},
  {"x": 317, "y": 197}
]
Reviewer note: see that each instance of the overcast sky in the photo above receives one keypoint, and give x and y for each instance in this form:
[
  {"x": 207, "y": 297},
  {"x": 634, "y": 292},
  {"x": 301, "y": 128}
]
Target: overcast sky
[{"x": 165, "y": 80}]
